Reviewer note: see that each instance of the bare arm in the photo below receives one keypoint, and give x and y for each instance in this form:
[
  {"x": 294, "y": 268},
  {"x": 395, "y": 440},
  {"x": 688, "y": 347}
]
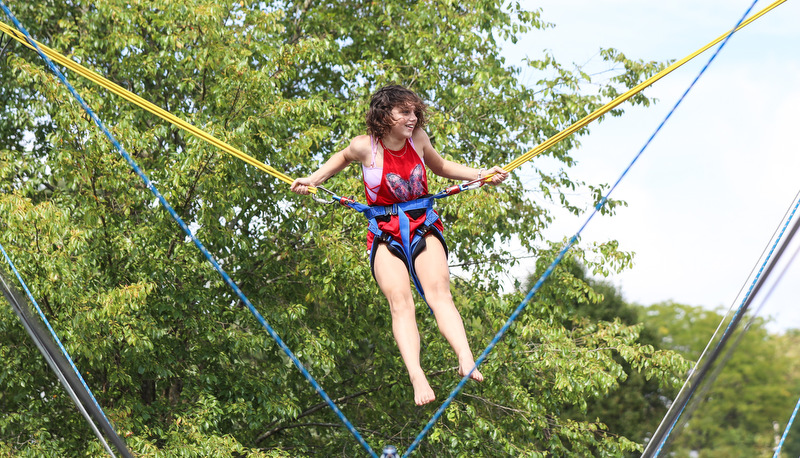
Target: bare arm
[
  {"x": 355, "y": 152},
  {"x": 453, "y": 170}
]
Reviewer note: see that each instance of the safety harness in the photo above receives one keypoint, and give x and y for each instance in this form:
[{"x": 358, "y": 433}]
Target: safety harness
[
  {"x": 408, "y": 247},
  {"x": 411, "y": 244}
]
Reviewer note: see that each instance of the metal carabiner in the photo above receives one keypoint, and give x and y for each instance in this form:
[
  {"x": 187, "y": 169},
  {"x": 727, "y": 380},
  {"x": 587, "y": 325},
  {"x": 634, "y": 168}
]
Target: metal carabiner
[
  {"x": 390, "y": 451},
  {"x": 321, "y": 200}
]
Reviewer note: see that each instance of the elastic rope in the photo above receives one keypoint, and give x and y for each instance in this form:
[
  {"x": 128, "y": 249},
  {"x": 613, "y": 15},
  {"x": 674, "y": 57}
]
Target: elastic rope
[
  {"x": 766, "y": 260},
  {"x": 92, "y": 76},
  {"x": 786, "y": 431},
  {"x": 735, "y": 323},
  {"x": 662, "y": 441},
  {"x": 703, "y": 391},
  {"x": 197, "y": 242},
  {"x": 757, "y": 312},
  {"x": 703, "y": 365},
  {"x": 110, "y": 427},
  {"x": 752, "y": 320},
  {"x": 755, "y": 270},
  {"x": 542, "y": 147},
  {"x": 148, "y": 106},
  {"x": 563, "y": 252}
]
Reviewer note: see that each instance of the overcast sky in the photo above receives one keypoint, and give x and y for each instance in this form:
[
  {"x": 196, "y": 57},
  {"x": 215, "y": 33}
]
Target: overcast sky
[{"x": 708, "y": 193}]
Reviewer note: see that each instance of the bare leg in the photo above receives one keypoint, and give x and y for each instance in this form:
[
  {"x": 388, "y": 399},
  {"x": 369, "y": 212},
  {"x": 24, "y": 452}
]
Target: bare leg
[
  {"x": 434, "y": 276},
  {"x": 393, "y": 279}
]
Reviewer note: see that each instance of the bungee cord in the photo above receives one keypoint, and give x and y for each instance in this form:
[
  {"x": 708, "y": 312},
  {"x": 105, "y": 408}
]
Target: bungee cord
[
  {"x": 149, "y": 185},
  {"x": 542, "y": 147},
  {"x": 729, "y": 353},
  {"x": 142, "y": 103},
  {"x": 740, "y": 313},
  {"x": 704, "y": 363},
  {"x": 786, "y": 431},
  {"x": 169, "y": 117},
  {"x": 61, "y": 363},
  {"x": 752, "y": 319},
  {"x": 567, "y": 247},
  {"x": 46, "y": 53}
]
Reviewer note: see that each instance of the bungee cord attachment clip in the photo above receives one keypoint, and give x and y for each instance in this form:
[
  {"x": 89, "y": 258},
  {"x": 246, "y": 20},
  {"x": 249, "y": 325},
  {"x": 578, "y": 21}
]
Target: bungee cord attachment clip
[
  {"x": 457, "y": 188},
  {"x": 331, "y": 200}
]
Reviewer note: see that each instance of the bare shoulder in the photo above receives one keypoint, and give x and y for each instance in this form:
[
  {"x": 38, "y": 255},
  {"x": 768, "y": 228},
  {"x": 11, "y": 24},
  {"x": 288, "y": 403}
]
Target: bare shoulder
[
  {"x": 360, "y": 149},
  {"x": 422, "y": 143},
  {"x": 421, "y": 137}
]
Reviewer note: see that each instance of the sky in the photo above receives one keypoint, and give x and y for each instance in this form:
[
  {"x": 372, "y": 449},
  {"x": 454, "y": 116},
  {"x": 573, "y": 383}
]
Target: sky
[{"x": 707, "y": 195}]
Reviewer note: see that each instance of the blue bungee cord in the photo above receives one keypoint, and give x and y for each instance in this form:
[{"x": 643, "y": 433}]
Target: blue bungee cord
[
  {"x": 194, "y": 239},
  {"x": 494, "y": 341},
  {"x": 786, "y": 431},
  {"x": 767, "y": 296},
  {"x": 703, "y": 365},
  {"x": 117, "y": 441},
  {"x": 564, "y": 251}
]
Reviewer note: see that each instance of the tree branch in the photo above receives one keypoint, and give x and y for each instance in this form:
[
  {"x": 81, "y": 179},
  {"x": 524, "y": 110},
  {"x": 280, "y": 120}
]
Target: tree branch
[
  {"x": 187, "y": 199},
  {"x": 5, "y": 46},
  {"x": 300, "y": 12},
  {"x": 342, "y": 400},
  {"x": 233, "y": 106},
  {"x": 340, "y": 425}
]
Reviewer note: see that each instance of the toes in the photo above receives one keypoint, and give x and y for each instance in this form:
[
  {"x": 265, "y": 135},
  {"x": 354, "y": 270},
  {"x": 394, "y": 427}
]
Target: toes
[
  {"x": 425, "y": 399},
  {"x": 475, "y": 375},
  {"x": 423, "y": 393}
]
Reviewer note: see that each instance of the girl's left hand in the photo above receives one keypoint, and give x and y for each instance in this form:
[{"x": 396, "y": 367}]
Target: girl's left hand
[{"x": 498, "y": 175}]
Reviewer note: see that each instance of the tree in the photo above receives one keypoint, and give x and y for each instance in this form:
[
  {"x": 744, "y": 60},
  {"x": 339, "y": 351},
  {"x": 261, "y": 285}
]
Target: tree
[
  {"x": 632, "y": 406},
  {"x": 788, "y": 346},
  {"x": 180, "y": 366},
  {"x": 756, "y": 386}
]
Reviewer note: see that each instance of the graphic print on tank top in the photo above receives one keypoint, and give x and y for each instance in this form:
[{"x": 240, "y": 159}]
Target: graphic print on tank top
[
  {"x": 402, "y": 178},
  {"x": 405, "y": 190}
]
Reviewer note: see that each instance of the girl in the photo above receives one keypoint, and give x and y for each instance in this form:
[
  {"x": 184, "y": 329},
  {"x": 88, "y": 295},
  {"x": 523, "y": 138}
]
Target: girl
[{"x": 393, "y": 156}]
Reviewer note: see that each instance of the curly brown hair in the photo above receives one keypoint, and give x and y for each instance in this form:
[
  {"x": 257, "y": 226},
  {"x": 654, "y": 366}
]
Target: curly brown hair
[{"x": 379, "y": 116}]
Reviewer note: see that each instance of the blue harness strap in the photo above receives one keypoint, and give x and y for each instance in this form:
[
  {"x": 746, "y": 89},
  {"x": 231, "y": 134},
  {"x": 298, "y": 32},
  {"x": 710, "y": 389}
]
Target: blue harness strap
[{"x": 408, "y": 246}]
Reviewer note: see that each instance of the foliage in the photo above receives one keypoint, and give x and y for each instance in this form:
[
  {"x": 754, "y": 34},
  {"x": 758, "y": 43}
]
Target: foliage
[
  {"x": 180, "y": 366},
  {"x": 758, "y": 384},
  {"x": 787, "y": 345},
  {"x": 634, "y": 406}
]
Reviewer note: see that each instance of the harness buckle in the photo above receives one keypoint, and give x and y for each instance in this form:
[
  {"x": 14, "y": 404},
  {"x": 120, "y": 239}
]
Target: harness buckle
[{"x": 384, "y": 237}]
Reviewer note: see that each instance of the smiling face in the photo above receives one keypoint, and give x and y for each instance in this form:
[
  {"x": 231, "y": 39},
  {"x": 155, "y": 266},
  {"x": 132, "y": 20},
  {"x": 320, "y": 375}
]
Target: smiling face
[
  {"x": 404, "y": 121},
  {"x": 396, "y": 111}
]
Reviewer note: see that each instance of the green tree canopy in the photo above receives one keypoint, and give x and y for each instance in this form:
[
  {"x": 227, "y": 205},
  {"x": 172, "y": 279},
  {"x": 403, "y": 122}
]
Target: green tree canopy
[
  {"x": 180, "y": 366},
  {"x": 634, "y": 407},
  {"x": 756, "y": 386}
]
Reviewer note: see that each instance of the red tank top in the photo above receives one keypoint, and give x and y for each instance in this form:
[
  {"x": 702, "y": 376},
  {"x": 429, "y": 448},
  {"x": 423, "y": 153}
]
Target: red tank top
[{"x": 404, "y": 178}]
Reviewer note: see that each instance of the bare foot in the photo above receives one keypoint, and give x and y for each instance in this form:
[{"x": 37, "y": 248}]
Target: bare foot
[
  {"x": 423, "y": 393},
  {"x": 463, "y": 368}
]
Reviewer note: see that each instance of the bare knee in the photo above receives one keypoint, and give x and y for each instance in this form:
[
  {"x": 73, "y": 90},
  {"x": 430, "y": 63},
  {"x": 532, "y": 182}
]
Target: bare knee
[
  {"x": 401, "y": 303},
  {"x": 439, "y": 293}
]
